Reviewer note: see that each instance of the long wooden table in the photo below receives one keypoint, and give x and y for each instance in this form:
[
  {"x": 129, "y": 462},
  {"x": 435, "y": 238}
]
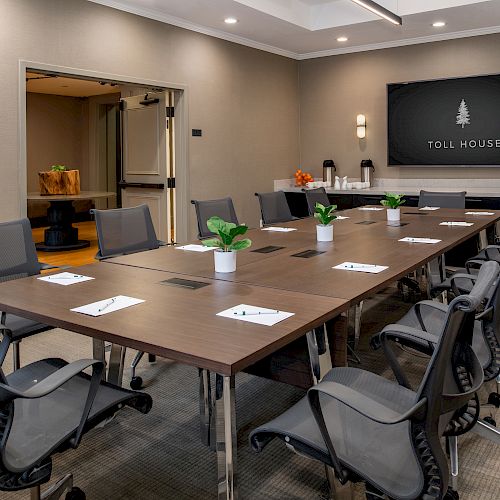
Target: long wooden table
[
  {"x": 194, "y": 335},
  {"x": 181, "y": 324}
]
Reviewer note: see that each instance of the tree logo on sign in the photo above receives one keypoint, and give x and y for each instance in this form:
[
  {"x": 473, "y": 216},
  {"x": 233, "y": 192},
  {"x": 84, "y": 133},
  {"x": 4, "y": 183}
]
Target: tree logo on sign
[{"x": 463, "y": 117}]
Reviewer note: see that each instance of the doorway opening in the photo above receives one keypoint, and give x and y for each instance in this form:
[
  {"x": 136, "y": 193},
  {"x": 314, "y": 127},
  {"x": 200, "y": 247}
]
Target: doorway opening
[{"x": 127, "y": 139}]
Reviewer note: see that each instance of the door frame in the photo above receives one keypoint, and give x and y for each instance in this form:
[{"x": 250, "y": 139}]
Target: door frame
[{"x": 181, "y": 137}]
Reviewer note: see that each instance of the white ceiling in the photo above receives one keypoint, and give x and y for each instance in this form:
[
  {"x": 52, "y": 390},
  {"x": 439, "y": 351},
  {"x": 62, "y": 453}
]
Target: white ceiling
[{"x": 303, "y": 29}]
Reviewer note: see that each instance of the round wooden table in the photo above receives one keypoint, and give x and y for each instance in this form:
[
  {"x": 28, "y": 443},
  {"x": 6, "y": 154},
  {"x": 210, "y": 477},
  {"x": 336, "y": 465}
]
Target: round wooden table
[{"x": 61, "y": 235}]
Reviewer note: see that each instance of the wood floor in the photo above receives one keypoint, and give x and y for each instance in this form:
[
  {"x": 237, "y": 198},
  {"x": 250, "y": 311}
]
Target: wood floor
[{"x": 86, "y": 231}]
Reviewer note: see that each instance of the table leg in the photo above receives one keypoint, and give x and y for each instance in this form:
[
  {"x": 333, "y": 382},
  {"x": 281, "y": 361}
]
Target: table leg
[
  {"x": 483, "y": 239},
  {"x": 207, "y": 409},
  {"x": 226, "y": 437},
  {"x": 337, "y": 331},
  {"x": 116, "y": 362},
  {"x": 61, "y": 235},
  {"x": 99, "y": 353}
]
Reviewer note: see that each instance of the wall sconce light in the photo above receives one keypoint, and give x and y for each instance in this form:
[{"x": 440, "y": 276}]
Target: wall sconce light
[{"x": 361, "y": 126}]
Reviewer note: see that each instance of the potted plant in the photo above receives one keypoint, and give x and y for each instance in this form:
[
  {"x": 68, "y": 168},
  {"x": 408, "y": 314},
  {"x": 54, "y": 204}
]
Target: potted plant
[
  {"x": 226, "y": 247},
  {"x": 393, "y": 201},
  {"x": 324, "y": 230},
  {"x": 59, "y": 180}
]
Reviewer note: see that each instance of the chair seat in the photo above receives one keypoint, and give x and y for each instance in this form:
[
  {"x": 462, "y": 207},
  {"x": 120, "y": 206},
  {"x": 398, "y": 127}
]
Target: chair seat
[
  {"x": 357, "y": 440},
  {"x": 43, "y": 426},
  {"x": 22, "y": 327}
]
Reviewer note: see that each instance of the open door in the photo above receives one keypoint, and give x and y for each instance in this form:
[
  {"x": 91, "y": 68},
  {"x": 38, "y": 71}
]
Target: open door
[{"x": 148, "y": 166}]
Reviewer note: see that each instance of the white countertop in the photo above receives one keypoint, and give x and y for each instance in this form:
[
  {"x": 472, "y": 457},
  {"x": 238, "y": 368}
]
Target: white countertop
[{"x": 488, "y": 188}]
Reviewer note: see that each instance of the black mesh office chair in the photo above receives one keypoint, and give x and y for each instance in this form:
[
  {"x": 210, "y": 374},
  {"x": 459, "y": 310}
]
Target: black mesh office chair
[
  {"x": 274, "y": 208},
  {"x": 122, "y": 231},
  {"x": 314, "y": 196},
  {"x": 45, "y": 408},
  {"x": 429, "y": 317},
  {"x": 205, "y": 209},
  {"x": 370, "y": 429},
  {"x": 18, "y": 259},
  {"x": 441, "y": 199}
]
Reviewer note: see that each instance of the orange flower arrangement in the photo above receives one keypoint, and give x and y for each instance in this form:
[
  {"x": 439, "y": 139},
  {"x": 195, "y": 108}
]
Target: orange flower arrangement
[{"x": 302, "y": 178}]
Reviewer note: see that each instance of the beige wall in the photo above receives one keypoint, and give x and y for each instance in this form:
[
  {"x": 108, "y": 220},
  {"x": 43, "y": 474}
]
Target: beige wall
[
  {"x": 55, "y": 130},
  {"x": 333, "y": 90},
  {"x": 245, "y": 100}
]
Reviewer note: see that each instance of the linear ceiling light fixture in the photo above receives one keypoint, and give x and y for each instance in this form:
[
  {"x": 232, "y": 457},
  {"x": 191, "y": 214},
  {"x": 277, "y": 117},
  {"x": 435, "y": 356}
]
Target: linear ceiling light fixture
[{"x": 379, "y": 10}]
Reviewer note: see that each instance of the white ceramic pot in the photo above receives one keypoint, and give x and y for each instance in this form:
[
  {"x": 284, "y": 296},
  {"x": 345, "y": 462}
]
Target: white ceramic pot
[
  {"x": 393, "y": 214},
  {"x": 324, "y": 233},
  {"x": 225, "y": 262}
]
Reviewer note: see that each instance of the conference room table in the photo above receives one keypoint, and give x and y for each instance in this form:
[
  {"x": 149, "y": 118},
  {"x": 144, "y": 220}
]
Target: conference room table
[{"x": 179, "y": 321}]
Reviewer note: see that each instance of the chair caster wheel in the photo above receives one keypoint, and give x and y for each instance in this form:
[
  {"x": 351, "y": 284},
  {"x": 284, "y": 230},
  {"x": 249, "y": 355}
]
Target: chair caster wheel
[
  {"x": 136, "y": 383},
  {"x": 494, "y": 399},
  {"x": 75, "y": 494},
  {"x": 451, "y": 495},
  {"x": 490, "y": 420}
]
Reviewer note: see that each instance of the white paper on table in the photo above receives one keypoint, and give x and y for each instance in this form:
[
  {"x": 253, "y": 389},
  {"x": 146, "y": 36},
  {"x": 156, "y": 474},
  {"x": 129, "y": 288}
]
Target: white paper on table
[
  {"x": 195, "y": 248},
  {"x": 479, "y": 213},
  {"x": 65, "y": 278},
  {"x": 341, "y": 217},
  {"x": 409, "y": 239},
  {"x": 267, "y": 317},
  {"x": 429, "y": 208},
  {"x": 371, "y": 208},
  {"x": 107, "y": 305},
  {"x": 363, "y": 268},
  {"x": 459, "y": 223},
  {"x": 279, "y": 229}
]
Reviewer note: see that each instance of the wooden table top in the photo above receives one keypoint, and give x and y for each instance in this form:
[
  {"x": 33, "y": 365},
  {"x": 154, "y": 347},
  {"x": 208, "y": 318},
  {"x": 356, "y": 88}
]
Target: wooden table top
[
  {"x": 84, "y": 195},
  {"x": 175, "y": 322},
  {"x": 354, "y": 241}
]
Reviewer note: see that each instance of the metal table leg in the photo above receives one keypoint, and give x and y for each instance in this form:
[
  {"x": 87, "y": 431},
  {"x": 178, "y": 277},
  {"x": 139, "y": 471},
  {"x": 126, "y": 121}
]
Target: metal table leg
[
  {"x": 207, "y": 409},
  {"x": 319, "y": 353},
  {"x": 226, "y": 437},
  {"x": 116, "y": 362}
]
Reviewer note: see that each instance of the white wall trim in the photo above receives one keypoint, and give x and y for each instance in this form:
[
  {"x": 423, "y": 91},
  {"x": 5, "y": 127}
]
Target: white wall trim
[
  {"x": 400, "y": 43},
  {"x": 182, "y": 145},
  {"x": 183, "y": 23},
  {"x": 198, "y": 28}
]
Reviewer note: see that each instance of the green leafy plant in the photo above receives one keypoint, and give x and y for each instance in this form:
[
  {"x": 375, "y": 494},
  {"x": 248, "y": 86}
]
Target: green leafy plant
[
  {"x": 393, "y": 200},
  {"x": 324, "y": 214},
  {"x": 226, "y": 232},
  {"x": 58, "y": 168}
]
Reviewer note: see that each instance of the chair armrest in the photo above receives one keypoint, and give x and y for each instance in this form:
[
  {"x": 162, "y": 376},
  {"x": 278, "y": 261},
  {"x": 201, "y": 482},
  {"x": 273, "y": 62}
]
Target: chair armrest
[
  {"x": 461, "y": 276},
  {"x": 412, "y": 337},
  {"x": 48, "y": 384},
  {"x": 365, "y": 405},
  {"x": 492, "y": 252},
  {"x": 162, "y": 243},
  {"x": 45, "y": 267}
]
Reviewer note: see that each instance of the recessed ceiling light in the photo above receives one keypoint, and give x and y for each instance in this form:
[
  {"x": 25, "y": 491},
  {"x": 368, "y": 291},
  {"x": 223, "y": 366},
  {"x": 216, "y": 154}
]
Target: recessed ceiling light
[
  {"x": 342, "y": 39},
  {"x": 439, "y": 24},
  {"x": 230, "y": 20}
]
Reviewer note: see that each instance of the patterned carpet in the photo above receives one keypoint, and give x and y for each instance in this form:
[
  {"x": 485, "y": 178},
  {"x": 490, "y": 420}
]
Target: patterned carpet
[{"x": 159, "y": 456}]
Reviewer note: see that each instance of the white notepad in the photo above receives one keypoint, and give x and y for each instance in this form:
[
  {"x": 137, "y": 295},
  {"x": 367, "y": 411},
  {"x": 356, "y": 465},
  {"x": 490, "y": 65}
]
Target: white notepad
[
  {"x": 279, "y": 229},
  {"x": 253, "y": 314},
  {"x": 409, "y": 239},
  {"x": 107, "y": 305},
  {"x": 65, "y": 278},
  {"x": 479, "y": 213},
  {"x": 376, "y": 209},
  {"x": 195, "y": 248},
  {"x": 429, "y": 208},
  {"x": 363, "y": 268},
  {"x": 458, "y": 223}
]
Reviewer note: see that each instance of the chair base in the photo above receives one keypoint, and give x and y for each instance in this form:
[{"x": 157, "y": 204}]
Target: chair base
[{"x": 55, "y": 491}]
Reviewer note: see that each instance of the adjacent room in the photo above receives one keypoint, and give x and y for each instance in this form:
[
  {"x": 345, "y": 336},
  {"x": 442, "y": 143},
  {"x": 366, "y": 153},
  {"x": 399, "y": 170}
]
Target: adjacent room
[{"x": 250, "y": 249}]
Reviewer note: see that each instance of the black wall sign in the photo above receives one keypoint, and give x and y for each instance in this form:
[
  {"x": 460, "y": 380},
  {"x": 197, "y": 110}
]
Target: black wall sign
[{"x": 445, "y": 122}]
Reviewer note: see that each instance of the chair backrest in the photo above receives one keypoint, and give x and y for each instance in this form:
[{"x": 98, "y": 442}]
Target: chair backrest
[
  {"x": 124, "y": 230},
  {"x": 314, "y": 196},
  {"x": 18, "y": 257},
  {"x": 442, "y": 199},
  {"x": 274, "y": 207},
  {"x": 452, "y": 377},
  {"x": 205, "y": 209}
]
